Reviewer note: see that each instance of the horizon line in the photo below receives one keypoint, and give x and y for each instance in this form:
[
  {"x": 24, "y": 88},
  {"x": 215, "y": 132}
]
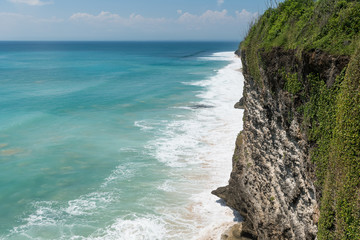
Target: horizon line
[{"x": 120, "y": 40}]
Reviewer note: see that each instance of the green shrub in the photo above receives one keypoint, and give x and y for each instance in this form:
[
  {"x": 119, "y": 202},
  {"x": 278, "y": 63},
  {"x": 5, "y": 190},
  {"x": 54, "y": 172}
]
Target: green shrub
[
  {"x": 292, "y": 82},
  {"x": 329, "y": 25},
  {"x": 331, "y": 115}
]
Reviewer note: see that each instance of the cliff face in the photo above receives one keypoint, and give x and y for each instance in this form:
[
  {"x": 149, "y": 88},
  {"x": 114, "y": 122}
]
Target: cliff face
[
  {"x": 272, "y": 181},
  {"x": 296, "y": 167}
]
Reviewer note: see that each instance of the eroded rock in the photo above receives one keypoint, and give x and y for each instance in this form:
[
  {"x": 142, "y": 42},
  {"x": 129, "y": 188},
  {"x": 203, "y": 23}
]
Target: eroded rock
[{"x": 271, "y": 184}]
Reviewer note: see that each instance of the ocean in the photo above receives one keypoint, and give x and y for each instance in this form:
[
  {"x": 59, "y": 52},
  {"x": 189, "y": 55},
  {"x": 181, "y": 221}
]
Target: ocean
[{"x": 116, "y": 140}]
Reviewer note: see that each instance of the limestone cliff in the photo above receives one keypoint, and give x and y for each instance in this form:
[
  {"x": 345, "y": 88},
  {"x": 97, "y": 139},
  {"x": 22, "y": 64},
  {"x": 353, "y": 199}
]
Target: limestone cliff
[
  {"x": 271, "y": 183},
  {"x": 290, "y": 178}
]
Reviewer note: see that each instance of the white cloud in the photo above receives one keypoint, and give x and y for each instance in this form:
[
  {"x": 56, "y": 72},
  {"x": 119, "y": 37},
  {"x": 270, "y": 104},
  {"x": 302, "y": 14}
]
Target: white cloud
[
  {"x": 31, "y": 2},
  {"x": 108, "y": 17},
  {"x": 209, "y": 25},
  {"x": 216, "y": 24},
  {"x": 245, "y": 15},
  {"x": 220, "y": 2},
  {"x": 207, "y": 17},
  {"x": 102, "y": 16}
]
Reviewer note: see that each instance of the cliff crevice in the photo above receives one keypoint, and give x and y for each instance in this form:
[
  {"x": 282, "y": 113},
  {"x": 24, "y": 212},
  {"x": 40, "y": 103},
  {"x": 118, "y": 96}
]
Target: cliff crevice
[
  {"x": 296, "y": 165},
  {"x": 272, "y": 181}
]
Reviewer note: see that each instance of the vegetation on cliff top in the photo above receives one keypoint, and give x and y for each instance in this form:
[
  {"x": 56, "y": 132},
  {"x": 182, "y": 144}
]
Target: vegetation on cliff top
[
  {"x": 329, "y": 25},
  {"x": 332, "y": 26},
  {"x": 332, "y": 112}
]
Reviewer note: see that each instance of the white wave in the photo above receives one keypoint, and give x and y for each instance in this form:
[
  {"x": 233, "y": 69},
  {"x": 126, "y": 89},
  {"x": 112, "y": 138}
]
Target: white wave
[
  {"x": 80, "y": 207},
  {"x": 167, "y": 186},
  {"x": 199, "y": 149},
  {"x": 147, "y": 125},
  {"x": 143, "y": 125},
  {"x": 120, "y": 173},
  {"x": 219, "y": 56},
  {"x": 86, "y": 204},
  {"x": 142, "y": 228},
  {"x": 53, "y": 213},
  {"x": 184, "y": 142},
  {"x": 45, "y": 215},
  {"x": 127, "y": 149}
]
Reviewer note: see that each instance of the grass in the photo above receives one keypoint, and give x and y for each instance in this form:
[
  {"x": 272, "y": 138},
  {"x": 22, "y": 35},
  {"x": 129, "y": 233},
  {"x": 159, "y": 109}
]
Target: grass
[
  {"x": 292, "y": 83},
  {"x": 331, "y": 115},
  {"x": 340, "y": 176},
  {"x": 329, "y": 25}
]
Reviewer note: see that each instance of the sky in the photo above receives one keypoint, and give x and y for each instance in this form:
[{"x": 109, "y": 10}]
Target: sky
[{"x": 127, "y": 20}]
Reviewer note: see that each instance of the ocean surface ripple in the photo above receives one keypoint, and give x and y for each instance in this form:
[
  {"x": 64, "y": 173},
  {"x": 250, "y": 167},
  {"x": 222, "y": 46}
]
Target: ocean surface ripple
[{"x": 116, "y": 140}]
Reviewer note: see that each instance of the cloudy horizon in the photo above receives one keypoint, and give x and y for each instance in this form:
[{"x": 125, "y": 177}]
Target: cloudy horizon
[{"x": 215, "y": 20}]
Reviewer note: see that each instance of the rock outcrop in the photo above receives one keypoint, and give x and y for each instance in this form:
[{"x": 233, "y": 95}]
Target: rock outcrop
[{"x": 272, "y": 181}]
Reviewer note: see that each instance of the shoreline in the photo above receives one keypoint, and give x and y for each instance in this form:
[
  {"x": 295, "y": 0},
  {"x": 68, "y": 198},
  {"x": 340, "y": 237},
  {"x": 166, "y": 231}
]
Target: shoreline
[
  {"x": 223, "y": 227},
  {"x": 205, "y": 144},
  {"x": 192, "y": 153}
]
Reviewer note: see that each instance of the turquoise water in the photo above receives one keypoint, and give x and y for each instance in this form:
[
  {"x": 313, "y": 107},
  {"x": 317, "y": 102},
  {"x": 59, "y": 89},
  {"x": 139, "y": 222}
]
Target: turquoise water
[{"x": 106, "y": 140}]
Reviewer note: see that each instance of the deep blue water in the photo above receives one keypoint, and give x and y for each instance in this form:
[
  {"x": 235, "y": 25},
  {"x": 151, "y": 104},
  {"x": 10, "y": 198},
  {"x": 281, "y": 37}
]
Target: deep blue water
[{"x": 94, "y": 138}]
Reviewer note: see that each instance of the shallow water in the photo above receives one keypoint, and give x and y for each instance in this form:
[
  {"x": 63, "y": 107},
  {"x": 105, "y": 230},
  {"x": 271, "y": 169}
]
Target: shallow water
[{"x": 116, "y": 140}]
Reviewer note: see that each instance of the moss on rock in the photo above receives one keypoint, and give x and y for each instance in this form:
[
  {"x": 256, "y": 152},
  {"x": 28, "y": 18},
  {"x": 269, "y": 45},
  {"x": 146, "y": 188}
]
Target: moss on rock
[{"x": 330, "y": 112}]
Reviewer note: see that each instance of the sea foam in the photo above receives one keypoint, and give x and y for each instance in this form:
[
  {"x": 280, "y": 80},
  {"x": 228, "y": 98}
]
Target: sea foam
[
  {"x": 195, "y": 148},
  {"x": 199, "y": 151}
]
